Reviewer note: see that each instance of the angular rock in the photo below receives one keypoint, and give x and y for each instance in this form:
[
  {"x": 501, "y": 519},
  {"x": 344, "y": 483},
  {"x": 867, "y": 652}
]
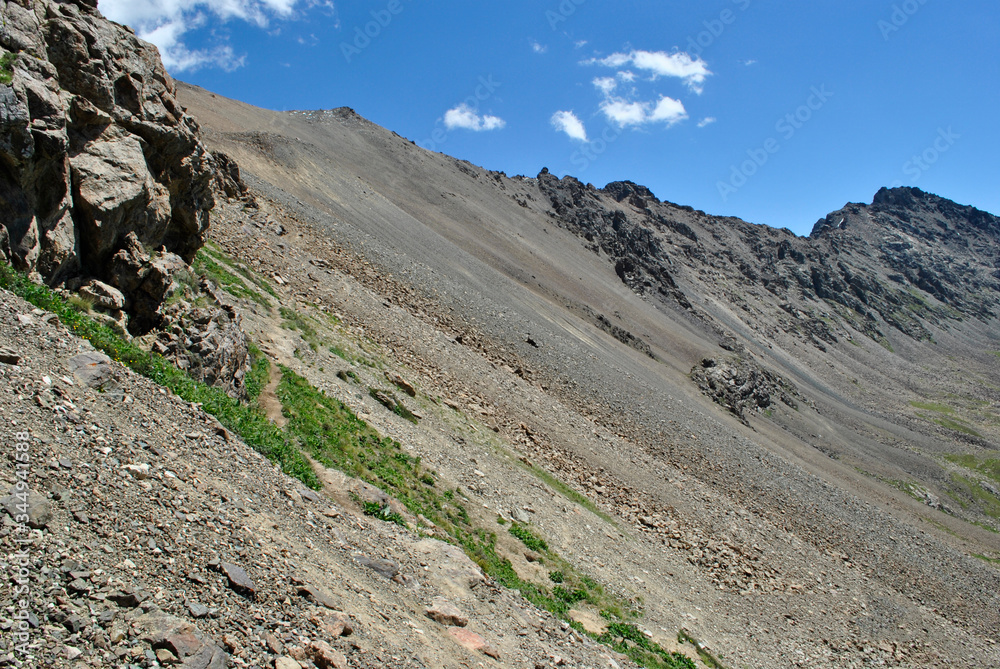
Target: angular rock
[
  {"x": 8, "y": 357},
  {"x": 285, "y": 662},
  {"x": 448, "y": 567},
  {"x": 400, "y": 383},
  {"x": 326, "y": 657},
  {"x": 28, "y": 507},
  {"x": 129, "y": 599},
  {"x": 238, "y": 579},
  {"x": 103, "y": 295},
  {"x": 386, "y": 568},
  {"x": 443, "y": 611},
  {"x": 472, "y": 641},
  {"x": 182, "y": 639},
  {"x": 335, "y": 624},
  {"x": 318, "y": 595},
  {"x": 92, "y": 369},
  {"x": 198, "y": 610}
]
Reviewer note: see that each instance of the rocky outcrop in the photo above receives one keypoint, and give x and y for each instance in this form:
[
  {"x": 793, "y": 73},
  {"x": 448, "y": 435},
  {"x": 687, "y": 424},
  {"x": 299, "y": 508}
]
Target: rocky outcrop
[
  {"x": 102, "y": 174},
  {"x": 209, "y": 343},
  {"x": 743, "y": 386}
]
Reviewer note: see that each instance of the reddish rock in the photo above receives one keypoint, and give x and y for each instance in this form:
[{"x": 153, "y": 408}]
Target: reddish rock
[
  {"x": 446, "y": 613},
  {"x": 325, "y": 657}
]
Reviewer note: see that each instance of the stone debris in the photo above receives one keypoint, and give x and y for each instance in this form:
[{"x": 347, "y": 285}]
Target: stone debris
[{"x": 443, "y": 611}]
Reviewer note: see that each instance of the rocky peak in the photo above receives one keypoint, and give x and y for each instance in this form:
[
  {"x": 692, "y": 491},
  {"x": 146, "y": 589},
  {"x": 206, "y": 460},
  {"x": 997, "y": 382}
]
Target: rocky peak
[{"x": 96, "y": 156}]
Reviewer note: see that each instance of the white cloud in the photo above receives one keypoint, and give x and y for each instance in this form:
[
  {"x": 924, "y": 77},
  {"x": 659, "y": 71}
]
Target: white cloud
[
  {"x": 177, "y": 57},
  {"x": 707, "y": 121},
  {"x": 668, "y": 111},
  {"x": 567, "y": 122},
  {"x": 748, "y": 63},
  {"x": 680, "y": 65},
  {"x": 606, "y": 85},
  {"x": 538, "y": 48},
  {"x": 580, "y": 44},
  {"x": 165, "y": 22},
  {"x": 626, "y": 113},
  {"x": 465, "y": 117}
]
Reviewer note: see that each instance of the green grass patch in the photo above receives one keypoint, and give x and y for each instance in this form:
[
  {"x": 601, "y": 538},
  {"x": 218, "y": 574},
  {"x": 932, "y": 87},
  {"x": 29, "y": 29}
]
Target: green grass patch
[
  {"x": 528, "y": 538},
  {"x": 210, "y": 267},
  {"x": 217, "y": 254},
  {"x": 7, "y": 62},
  {"x": 969, "y": 489},
  {"x": 957, "y": 426},
  {"x": 933, "y": 406},
  {"x": 629, "y": 640},
  {"x": 246, "y": 421},
  {"x": 260, "y": 373},
  {"x": 332, "y": 433},
  {"x": 994, "y": 561},
  {"x": 296, "y": 322},
  {"x": 989, "y": 467}
]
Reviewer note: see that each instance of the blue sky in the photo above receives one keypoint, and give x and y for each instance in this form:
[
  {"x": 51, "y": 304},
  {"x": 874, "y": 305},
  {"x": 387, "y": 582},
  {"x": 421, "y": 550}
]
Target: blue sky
[{"x": 776, "y": 112}]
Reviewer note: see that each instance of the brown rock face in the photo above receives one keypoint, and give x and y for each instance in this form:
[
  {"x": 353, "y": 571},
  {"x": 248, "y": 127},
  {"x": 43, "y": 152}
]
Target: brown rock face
[{"x": 96, "y": 155}]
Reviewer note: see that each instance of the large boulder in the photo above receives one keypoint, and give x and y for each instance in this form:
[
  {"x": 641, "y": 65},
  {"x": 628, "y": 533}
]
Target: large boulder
[{"x": 97, "y": 157}]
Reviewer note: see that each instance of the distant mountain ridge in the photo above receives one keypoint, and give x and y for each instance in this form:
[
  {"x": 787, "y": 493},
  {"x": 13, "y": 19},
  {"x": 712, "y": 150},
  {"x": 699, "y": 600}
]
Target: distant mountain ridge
[{"x": 864, "y": 260}]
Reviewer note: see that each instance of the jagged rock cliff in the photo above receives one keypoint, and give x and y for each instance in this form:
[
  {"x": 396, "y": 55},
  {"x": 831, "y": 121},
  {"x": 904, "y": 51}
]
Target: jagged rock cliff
[
  {"x": 104, "y": 182},
  {"x": 908, "y": 260}
]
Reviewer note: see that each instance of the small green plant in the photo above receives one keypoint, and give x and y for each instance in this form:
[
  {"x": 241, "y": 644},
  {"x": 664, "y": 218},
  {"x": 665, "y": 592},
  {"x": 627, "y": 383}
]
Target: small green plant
[
  {"x": 341, "y": 353},
  {"x": 570, "y": 596},
  {"x": 556, "y": 576},
  {"x": 7, "y": 62},
  {"x": 376, "y": 510},
  {"x": 347, "y": 376},
  {"x": 527, "y": 538},
  {"x": 81, "y": 303}
]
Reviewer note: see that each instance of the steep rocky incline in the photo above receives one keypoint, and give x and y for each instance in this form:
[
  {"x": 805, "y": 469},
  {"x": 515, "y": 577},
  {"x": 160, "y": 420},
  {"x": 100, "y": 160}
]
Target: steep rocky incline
[
  {"x": 104, "y": 182},
  {"x": 155, "y": 538}
]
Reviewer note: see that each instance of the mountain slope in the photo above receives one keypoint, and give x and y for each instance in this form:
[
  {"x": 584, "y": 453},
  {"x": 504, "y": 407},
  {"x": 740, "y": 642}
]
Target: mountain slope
[{"x": 581, "y": 314}]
